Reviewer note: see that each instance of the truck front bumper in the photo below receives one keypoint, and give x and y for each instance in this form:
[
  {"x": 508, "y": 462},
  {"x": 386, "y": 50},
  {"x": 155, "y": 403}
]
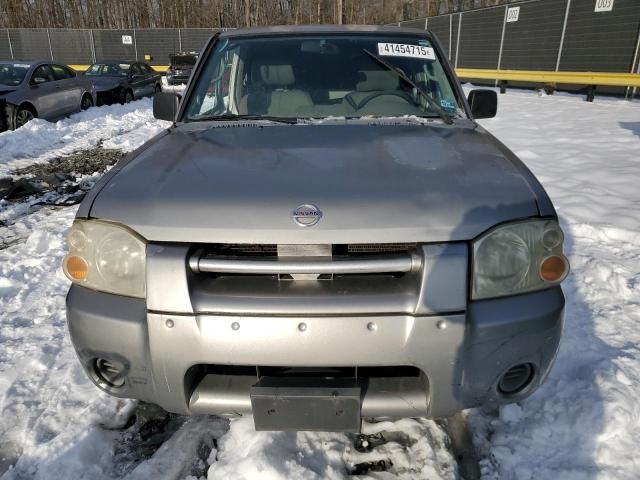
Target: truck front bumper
[{"x": 180, "y": 361}]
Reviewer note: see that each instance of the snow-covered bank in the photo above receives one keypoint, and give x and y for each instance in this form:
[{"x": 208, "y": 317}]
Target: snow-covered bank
[{"x": 124, "y": 127}]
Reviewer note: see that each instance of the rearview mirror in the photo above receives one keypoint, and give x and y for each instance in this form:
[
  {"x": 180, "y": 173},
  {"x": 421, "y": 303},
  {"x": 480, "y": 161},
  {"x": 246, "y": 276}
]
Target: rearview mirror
[
  {"x": 38, "y": 80},
  {"x": 483, "y": 103},
  {"x": 165, "y": 105}
]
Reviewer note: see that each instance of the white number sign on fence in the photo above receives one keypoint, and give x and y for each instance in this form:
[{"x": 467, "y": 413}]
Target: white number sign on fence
[
  {"x": 512, "y": 14},
  {"x": 603, "y": 6},
  {"x": 127, "y": 40}
]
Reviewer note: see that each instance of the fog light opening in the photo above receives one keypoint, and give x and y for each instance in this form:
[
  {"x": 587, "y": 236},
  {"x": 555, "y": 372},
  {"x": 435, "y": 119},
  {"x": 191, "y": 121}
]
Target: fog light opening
[
  {"x": 516, "y": 379},
  {"x": 109, "y": 373}
]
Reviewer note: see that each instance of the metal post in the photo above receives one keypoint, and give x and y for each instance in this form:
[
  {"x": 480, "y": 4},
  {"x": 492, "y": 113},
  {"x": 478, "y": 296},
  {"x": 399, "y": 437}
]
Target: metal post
[
  {"x": 93, "y": 47},
  {"x": 426, "y": 23},
  {"x": 10, "y": 46},
  {"x": 633, "y": 64},
  {"x": 458, "y": 39},
  {"x": 564, "y": 29},
  {"x": 504, "y": 27},
  {"x": 179, "y": 40},
  {"x": 50, "y": 49},
  {"x": 135, "y": 43},
  {"x": 450, "y": 33}
]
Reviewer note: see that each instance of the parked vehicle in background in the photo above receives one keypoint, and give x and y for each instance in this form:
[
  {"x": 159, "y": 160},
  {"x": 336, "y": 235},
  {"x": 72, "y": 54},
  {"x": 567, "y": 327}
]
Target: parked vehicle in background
[
  {"x": 122, "y": 82},
  {"x": 43, "y": 89},
  {"x": 180, "y": 67},
  {"x": 323, "y": 234}
]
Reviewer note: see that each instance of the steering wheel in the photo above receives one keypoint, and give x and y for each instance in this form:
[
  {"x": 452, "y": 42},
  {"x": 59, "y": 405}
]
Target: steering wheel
[{"x": 357, "y": 106}]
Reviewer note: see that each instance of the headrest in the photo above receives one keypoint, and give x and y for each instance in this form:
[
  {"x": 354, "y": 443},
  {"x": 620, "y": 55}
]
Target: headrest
[
  {"x": 277, "y": 75},
  {"x": 376, "y": 80}
]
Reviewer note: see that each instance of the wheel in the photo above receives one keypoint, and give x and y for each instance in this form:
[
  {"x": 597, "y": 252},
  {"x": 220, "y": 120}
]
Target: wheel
[
  {"x": 87, "y": 102},
  {"x": 24, "y": 115},
  {"x": 128, "y": 96}
]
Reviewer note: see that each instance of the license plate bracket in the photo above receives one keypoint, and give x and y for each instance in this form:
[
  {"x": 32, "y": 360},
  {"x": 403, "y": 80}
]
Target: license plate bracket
[{"x": 306, "y": 404}]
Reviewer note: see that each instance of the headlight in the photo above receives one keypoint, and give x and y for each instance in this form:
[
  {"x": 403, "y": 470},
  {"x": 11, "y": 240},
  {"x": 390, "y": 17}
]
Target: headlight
[
  {"x": 518, "y": 257},
  {"x": 106, "y": 257}
]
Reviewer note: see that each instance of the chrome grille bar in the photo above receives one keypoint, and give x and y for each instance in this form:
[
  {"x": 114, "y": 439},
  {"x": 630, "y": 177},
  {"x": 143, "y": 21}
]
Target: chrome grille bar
[{"x": 403, "y": 262}]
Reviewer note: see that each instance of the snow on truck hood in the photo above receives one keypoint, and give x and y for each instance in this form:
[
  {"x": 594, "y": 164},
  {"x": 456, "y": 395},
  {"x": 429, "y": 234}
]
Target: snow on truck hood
[{"x": 372, "y": 183}]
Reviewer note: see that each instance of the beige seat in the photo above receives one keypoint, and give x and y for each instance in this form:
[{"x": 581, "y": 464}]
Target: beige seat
[
  {"x": 379, "y": 82},
  {"x": 281, "y": 100}
]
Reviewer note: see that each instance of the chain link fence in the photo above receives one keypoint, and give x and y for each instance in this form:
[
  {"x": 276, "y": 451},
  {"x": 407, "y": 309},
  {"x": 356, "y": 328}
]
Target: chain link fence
[
  {"x": 76, "y": 46},
  {"x": 543, "y": 35}
]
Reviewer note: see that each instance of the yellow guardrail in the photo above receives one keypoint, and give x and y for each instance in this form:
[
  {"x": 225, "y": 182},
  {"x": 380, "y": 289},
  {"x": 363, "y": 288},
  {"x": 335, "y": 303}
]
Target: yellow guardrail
[
  {"x": 572, "y": 78},
  {"x": 157, "y": 68}
]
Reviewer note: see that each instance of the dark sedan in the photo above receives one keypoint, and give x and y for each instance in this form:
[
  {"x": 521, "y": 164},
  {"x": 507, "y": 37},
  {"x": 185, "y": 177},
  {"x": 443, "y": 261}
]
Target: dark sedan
[
  {"x": 122, "y": 82},
  {"x": 45, "y": 90}
]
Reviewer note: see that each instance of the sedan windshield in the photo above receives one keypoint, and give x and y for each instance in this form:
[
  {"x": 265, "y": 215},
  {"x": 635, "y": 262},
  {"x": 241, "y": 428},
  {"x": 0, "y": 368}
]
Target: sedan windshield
[
  {"x": 108, "y": 70},
  {"x": 12, "y": 74},
  {"x": 323, "y": 76}
]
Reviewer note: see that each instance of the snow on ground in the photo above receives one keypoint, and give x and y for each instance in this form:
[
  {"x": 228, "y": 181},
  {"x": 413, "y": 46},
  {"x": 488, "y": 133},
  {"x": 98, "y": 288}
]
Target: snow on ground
[
  {"x": 583, "y": 423},
  {"x": 125, "y": 127}
]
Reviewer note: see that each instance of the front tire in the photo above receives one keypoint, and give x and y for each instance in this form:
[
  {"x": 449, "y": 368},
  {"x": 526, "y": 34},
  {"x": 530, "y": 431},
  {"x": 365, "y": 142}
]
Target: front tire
[
  {"x": 128, "y": 96},
  {"x": 24, "y": 115},
  {"x": 87, "y": 102}
]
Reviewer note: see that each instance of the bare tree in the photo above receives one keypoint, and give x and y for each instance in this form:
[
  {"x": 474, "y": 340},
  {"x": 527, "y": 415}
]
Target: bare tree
[{"x": 218, "y": 13}]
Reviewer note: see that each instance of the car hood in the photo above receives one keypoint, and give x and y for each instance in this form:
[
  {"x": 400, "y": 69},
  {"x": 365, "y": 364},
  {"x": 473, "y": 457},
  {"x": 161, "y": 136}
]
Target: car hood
[
  {"x": 6, "y": 90},
  {"x": 106, "y": 83},
  {"x": 373, "y": 184}
]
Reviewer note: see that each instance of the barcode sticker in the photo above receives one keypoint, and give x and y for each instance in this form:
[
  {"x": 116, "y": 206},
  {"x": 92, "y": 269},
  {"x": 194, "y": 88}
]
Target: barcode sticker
[{"x": 404, "y": 50}]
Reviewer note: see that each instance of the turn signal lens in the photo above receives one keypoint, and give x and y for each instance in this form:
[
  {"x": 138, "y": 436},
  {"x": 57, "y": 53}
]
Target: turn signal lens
[
  {"x": 554, "y": 268},
  {"x": 76, "y": 267}
]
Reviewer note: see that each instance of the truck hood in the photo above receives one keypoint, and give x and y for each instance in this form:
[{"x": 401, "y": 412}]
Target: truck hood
[{"x": 233, "y": 183}]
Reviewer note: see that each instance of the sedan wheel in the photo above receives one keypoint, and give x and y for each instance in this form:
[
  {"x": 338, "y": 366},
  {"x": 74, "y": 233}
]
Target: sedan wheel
[
  {"x": 128, "y": 96},
  {"x": 23, "y": 117},
  {"x": 87, "y": 102}
]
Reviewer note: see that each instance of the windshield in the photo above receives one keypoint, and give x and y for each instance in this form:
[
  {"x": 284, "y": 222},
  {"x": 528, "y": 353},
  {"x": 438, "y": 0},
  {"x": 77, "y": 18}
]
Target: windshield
[
  {"x": 12, "y": 74},
  {"x": 318, "y": 77},
  {"x": 108, "y": 70}
]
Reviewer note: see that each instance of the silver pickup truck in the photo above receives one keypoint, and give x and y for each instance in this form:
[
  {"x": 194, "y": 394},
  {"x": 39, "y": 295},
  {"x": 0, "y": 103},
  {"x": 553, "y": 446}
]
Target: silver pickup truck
[{"x": 323, "y": 234}]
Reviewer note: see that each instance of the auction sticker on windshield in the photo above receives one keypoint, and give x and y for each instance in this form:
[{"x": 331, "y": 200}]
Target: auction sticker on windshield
[{"x": 404, "y": 50}]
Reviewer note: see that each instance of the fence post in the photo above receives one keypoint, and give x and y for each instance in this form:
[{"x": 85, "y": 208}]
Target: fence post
[
  {"x": 564, "y": 29},
  {"x": 50, "y": 49},
  {"x": 180, "y": 40},
  {"x": 633, "y": 65},
  {"x": 458, "y": 39},
  {"x": 10, "y": 46},
  {"x": 450, "y": 33},
  {"x": 93, "y": 47},
  {"x": 135, "y": 43},
  {"x": 504, "y": 27}
]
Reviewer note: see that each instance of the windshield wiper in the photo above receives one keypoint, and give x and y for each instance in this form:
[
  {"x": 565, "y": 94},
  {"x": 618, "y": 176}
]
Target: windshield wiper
[
  {"x": 446, "y": 117},
  {"x": 233, "y": 116}
]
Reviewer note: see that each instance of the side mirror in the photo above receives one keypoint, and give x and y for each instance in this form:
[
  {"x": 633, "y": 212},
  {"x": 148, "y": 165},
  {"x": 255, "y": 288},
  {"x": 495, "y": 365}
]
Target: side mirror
[
  {"x": 483, "y": 103},
  {"x": 165, "y": 105},
  {"x": 38, "y": 80}
]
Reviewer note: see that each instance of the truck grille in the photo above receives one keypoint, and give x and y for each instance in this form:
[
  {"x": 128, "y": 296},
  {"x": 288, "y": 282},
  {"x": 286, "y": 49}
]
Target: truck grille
[
  {"x": 265, "y": 249},
  {"x": 306, "y": 260}
]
